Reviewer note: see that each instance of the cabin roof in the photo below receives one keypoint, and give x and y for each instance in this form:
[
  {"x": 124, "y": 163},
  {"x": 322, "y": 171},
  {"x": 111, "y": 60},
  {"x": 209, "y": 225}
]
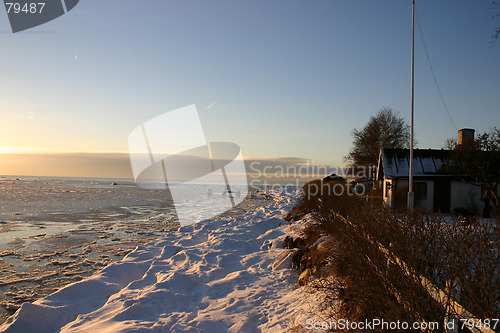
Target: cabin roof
[{"x": 395, "y": 163}]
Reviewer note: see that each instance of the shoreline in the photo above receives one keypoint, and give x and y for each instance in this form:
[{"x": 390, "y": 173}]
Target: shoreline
[
  {"x": 53, "y": 233},
  {"x": 220, "y": 269},
  {"x": 37, "y": 265}
]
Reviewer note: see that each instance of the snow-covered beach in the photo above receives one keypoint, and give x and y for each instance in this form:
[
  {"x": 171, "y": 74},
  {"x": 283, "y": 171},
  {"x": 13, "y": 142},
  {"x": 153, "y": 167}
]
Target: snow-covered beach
[{"x": 213, "y": 276}]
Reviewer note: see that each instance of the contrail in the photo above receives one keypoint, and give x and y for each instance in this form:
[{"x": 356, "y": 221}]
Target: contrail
[{"x": 208, "y": 107}]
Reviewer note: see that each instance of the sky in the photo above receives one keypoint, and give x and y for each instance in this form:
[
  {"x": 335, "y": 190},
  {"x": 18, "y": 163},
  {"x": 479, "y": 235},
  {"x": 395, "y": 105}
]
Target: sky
[{"x": 283, "y": 79}]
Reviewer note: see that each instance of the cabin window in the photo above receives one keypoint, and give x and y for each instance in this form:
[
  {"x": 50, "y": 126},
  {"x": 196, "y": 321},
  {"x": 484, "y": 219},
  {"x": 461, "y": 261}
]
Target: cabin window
[{"x": 420, "y": 190}]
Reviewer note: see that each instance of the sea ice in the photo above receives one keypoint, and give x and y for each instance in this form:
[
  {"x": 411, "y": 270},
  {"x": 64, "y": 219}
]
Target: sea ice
[{"x": 213, "y": 276}]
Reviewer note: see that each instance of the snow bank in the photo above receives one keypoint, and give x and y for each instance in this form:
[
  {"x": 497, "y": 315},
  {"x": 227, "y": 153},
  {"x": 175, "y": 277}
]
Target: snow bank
[{"x": 213, "y": 276}]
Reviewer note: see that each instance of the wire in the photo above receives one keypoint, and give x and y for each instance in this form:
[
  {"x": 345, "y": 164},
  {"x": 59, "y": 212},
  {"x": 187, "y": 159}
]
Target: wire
[{"x": 434, "y": 75}]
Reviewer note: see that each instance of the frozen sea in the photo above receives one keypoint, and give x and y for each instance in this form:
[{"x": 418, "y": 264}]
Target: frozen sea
[{"x": 58, "y": 231}]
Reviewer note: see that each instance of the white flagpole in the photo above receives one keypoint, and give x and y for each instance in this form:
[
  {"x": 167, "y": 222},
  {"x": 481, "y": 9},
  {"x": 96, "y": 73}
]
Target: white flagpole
[{"x": 411, "y": 195}]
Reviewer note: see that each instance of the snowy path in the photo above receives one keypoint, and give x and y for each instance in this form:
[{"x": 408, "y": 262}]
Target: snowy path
[{"x": 207, "y": 277}]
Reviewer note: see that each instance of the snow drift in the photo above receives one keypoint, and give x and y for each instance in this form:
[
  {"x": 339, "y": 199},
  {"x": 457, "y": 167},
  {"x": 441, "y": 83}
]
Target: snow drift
[{"x": 213, "y": 276}]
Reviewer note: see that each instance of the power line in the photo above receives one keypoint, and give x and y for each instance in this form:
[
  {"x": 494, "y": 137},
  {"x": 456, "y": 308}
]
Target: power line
[{"x": 434, "y": 75}]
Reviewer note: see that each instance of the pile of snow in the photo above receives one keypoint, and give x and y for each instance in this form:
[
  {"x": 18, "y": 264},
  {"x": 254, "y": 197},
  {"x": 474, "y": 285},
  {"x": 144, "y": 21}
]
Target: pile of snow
[{"x": 213, "y": 276}]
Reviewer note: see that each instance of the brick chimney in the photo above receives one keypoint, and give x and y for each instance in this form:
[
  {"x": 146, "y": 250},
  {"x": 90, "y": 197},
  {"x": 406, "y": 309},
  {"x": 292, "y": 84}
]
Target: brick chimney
[{"x": 466, "y": 136}]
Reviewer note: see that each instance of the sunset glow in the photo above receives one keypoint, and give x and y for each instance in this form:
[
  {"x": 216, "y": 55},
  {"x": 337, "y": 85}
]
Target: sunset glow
[
  {"x": 293, "y": 89},
  {"x": 14, "y": 149}
]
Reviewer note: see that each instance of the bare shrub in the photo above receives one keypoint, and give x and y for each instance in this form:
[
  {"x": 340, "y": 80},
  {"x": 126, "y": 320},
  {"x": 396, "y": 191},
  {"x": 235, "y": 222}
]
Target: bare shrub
[
  {"x": 380, "y": 256},
  {"x": 375, "y": 195},
  {"x": 400, "y": 197}
]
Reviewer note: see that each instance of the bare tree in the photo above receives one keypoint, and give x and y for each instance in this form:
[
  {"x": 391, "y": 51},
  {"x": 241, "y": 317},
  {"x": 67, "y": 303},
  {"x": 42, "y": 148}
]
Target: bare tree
[
  {"x": 496, "y": 6},
  {"x": 386, "y": 129},
  {"x": 450, "y": 144},
  {"x": 479, "y": 161}
]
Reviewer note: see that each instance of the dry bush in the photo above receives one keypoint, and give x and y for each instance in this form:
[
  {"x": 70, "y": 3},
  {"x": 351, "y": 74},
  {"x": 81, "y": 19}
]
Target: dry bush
[
  {"x": 312, "y": 193},
  {"x": 375, "y": 195},
  {"x": 400, "y": 198},
  {"x": 369, "y": 283}
]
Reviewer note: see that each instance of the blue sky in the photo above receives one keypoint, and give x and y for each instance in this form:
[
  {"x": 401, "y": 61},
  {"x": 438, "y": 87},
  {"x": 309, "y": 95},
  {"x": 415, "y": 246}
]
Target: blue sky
[{"x": 288, "y": 78}]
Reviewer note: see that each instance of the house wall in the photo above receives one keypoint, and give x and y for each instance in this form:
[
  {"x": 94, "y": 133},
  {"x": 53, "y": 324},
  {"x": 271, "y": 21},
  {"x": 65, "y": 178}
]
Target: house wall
[
  {"x": 425, "y": 203},
  {"x": 467, "y": 196},
  {"x": 463, "y": 195}
]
